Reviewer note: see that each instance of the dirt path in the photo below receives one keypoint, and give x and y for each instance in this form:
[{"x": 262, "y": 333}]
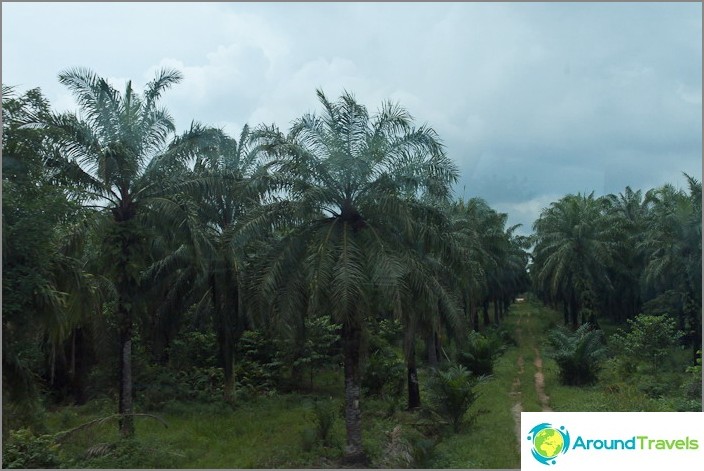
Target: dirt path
[
  {"x": 540, "y": 382},
  {"x": 515, "y": 393},
  {"x": 517, "y": 407},
  {"x": 539, "y": 379}
]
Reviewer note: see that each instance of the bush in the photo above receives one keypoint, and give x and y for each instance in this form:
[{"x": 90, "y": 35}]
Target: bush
[
  {"x": 25, "y": 450},
  {"x": 127, "y": 454},
  {"x": 578, "y": 354},
  {"x": 324, "y": 416},
  {"x": 384, "y": 375},
  {"x": 451, "y": 393},
  {"x": 692, "y": 388},
  {"x": 649, "y": 340},
  {"x": 193, "y": 349},
  {"x": 159, "y": 385},
  {"x": 406, "y": 448},
  {"x": 259, "y": 366},
  {"x": 321, "y": 347},
  {"x": 478, "y": 354}
]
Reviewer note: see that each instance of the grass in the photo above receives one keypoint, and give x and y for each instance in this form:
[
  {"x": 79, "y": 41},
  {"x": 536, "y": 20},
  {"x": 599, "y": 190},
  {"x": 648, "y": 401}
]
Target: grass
[
  {"x": 264, "y": 433},
  {"x": 278, "y": 431},
  {"x": 487, "y": 440}
]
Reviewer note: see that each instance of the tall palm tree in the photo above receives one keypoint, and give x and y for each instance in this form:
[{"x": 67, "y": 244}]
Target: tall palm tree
[
  {"x": 673, "y": 249},
  {"x": 468, "y": 227},
  {"x": 574, "y": 245},
  {"x": 428, "y": 304},
  {"x": 626, "y": 211},
  {"x": 351, "y": 207},
  {"x": 205, "y": 265},
  {"x": 117, "y": 148}
]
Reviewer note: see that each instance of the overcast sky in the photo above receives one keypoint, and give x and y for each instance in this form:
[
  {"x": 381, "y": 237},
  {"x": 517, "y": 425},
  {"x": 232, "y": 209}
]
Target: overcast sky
[{"x": 533, "y": 101}]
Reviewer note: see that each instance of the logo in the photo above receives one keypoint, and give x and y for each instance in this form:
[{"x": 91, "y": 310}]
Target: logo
[{"x": 548, "y": 442}]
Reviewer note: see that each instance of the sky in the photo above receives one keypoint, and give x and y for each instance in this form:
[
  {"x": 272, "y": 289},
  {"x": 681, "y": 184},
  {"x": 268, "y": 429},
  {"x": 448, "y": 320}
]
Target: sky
[{"x": 532, "y": 101}]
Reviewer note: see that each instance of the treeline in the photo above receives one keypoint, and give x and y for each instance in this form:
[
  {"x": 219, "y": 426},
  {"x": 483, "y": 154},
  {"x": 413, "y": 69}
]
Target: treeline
[
  {"x": 138, "y": 262},
  {"x": 617, "y": 256}
]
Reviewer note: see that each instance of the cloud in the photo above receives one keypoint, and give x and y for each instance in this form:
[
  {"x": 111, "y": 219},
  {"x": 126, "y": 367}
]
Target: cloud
[{"x": 529, "y": 99}]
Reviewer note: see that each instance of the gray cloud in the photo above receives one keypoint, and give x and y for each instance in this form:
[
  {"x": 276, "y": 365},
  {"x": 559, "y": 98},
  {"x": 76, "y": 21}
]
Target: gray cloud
[{"x": 532, "y": 100}]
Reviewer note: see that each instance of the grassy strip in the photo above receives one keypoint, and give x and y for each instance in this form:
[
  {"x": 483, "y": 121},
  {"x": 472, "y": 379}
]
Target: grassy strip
[
  {"x": 488, "y": 439},
  {"x": 611, "y": 394}
]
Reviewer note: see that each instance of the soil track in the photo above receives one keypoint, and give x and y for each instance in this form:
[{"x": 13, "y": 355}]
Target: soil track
[{"x": 539, "y": 379}]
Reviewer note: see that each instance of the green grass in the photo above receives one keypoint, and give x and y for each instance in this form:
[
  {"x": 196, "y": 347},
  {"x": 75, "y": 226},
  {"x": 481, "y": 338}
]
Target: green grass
[
  {"x": 487, "y": 440},
  {"x": 266, "y": 432},
  {"x": 278, "y": 431}
]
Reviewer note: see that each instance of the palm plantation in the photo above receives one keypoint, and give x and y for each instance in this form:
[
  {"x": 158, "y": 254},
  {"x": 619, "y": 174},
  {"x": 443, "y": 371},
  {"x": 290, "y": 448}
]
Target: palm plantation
[{"x": 198, "y": 276}]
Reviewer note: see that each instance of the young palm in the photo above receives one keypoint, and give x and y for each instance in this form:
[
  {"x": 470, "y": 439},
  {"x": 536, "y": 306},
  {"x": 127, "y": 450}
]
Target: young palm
[{"x": 351, "y": 207}]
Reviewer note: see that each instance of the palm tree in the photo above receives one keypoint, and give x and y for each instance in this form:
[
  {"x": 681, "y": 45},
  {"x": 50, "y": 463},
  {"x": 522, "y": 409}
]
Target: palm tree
[
  {"x": 468, "y": 227},
  {"x": 204, "y": 264},
  {"x": 626, "y": 211},
  {"x": 351, "y": 207},
  {"x": 117, "y": 149},
  {"x": 574, "y": 245},
  {"x": 427, "y": 304},
  {"x": 673, "y": 250}
]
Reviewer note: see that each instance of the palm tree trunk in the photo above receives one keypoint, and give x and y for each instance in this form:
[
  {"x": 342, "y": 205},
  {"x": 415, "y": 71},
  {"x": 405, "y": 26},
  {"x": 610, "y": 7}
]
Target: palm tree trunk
[
  {"x": 474, "y": 314},
  {"x": 352, "y": 341},
  {"x": 574, "y": 310},
  {"x": 125, "y": 408},
  {"x": 431, "y": 348},
  {"x": 299, "y": 341},
  {"x": 125, "y": 323},
  {"x": 410, "y": 351},
  {"x": 485, "y": 311}
]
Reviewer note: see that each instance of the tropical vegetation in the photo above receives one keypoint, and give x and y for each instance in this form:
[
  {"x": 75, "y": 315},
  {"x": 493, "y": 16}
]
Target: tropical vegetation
[{"x": 323, "y": 280}]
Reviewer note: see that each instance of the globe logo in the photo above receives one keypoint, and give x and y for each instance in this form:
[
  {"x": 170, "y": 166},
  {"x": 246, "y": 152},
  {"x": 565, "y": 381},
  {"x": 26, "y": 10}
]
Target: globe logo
[{"x": 548, "y": 442}]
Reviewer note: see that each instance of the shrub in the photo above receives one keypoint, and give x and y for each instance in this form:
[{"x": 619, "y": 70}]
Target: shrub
[
  {"x": 451, "y": 393},
  {"x": 692, "y": 388},
  {"x": 159, "y": 385},
  {"x": 478, "y": 354},
  {"x": 384, "y": 374},
  {"x": 481, "y": 349},
  {"x": 259, "y": 366},
  {"x": 193, "y": 349},
  {"x": 25, "y": 450},
  {"x": 578, "y": 354},
  {"x": 649, "y": 340},
  {"x": 127, "y": 454},
  {"x": 324, "y": 416},
  {"x": 406, "y": 448},
  {"x": 321, "y": 347}
]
